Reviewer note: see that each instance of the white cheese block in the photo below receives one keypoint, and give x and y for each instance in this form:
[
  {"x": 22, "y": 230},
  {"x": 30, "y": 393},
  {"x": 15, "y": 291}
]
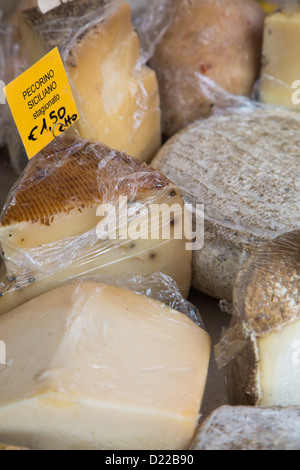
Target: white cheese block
[
  {"x": 265, "y": 371},
  {"x": 244, "y": 167},
  {"x": 92, "y": 366},
  {"x": 52, "y": 222},
  {"x": 280, "y": 73},
  {"x": 246, "y": 428},
  {"x": 116, "y": 94}
]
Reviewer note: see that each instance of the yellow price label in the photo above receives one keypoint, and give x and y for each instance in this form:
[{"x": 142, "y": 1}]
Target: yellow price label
[{"x": 42, "y": 103}]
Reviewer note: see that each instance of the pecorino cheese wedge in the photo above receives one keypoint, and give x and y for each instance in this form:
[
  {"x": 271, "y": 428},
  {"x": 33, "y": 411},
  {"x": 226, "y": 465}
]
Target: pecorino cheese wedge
[
  {"x": 84, "y": 209},
  {"x": 265, "y": 370},
  {"x": 97, "y": 367},
  {"x": 244, "y": 167},
  {"x": 117, "y": 96},
  {"x": 246, "y": 428}
]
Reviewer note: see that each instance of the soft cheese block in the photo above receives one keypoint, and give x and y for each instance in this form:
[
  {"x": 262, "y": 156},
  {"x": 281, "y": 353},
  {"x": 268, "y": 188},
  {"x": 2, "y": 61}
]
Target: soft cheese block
[
  {"x": 92, "y": 366},
  {"x": 116, "y": 95},
  {"x": 249, "y": 428},
  {"x": 264, "y": 337},
  {"x": 84, "y": 209},
  {"x": 280, "y": 64},
  {"x": 244, "y": 167}
]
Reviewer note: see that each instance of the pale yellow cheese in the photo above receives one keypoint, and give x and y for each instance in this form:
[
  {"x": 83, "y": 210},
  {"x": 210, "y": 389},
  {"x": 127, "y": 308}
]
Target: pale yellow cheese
[
  {"x": 54, "y": 228},
  {"x": 116, "y": 95},
  {"x": 92, "y": 366},
  {"x": 279, "y": 367},
  {"x": 280, "y": 62}
]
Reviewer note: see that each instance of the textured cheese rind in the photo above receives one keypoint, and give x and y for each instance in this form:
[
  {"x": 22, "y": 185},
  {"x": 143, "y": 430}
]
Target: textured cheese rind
[
  {"x": 243, "y": 428},
  {"x": 243, "y": 166},
  {"x": 266, "y": 317},
  {"x": 48, "y": 227},
  {"x": 92, "y": 366},
  {"x": 116, "y": 94},
  {"x": 280, "y": 64},
  {"x": 210, "y": 54}
]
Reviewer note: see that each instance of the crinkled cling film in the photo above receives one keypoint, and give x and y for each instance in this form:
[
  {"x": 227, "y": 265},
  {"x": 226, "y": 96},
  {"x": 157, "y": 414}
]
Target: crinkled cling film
[
  {"x": 115, "y": 92},
  {"x": 192, "y": 46},
  {"x": 12, "y": 64},
  {"x": 82, "y": 209},
  {"x": 109, "y": 369},
  {"x": 262, "y": 345}
]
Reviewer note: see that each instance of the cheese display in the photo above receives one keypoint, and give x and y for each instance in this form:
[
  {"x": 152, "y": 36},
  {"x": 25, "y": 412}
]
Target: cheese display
[
  {"x": 262, "y": 345},
  {"x": 96, "y": 367},
  {"x": 279, "y": 83},
  {"x": 117, "y": 96},
  {"x": 82, "y": 209},
  {"x": 209, "y": 54},
  {"x": 244, "y": 167},
  {"x": 246, "y": 428}
]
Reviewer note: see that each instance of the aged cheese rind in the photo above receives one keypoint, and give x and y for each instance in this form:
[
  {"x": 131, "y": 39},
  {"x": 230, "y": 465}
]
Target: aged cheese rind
[
  {"x": 209, "y": 55},
  {"x": 266, "y": 316},
  {"x": 280, "y": 64},
  {"x": 116, "y": 95},
  {"x": 92, "y": 366},
  {"x": 243, "y": 428},
  {"x": 243, "y": 166},
  {"x": 48, "y": 227}
]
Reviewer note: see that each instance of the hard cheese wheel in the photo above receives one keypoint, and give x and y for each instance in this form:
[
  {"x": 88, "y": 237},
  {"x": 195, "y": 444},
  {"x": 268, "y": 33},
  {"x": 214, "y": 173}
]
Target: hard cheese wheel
[{"x": 244, "y": 167}]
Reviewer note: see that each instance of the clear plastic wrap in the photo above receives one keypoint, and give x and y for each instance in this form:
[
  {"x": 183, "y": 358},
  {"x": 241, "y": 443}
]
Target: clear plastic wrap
[
  {"x": 83, "y": 209},
  {"x": 98, "y": 367},
  {"x": 116, "y": 94},
  {"x": 243, "y": 166},
  {"x": 262, "y": 345},
  {"x": 206, "y": 55},
  {"x": 12, "y": 64},
  {"x": 242, "y": 428}
]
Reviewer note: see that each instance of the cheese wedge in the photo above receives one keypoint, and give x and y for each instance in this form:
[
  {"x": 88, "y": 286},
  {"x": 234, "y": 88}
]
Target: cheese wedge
[
  {"x": 116, "y": 95},
  {"x": 280, "y": 73},
  {"x": 246, "y": 428},
  {"x": 92, "y": 367},
  {"x": 266, "y": 327},
  {"x": 57, "y": 223}
]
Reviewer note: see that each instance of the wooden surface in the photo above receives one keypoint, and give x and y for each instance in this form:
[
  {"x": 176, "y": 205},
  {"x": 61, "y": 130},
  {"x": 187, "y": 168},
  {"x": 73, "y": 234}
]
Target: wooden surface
[{"x": 214, "y": 320}]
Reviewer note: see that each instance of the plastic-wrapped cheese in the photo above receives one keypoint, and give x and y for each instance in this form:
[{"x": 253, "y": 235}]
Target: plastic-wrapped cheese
[
  {"x": 280, "y": 75},
  {"x": 81, "y": 208},
  {"x": 244, "y": 167},
  {"x": 116, "y": 94},
  {"x": 208, "y": 55},
  {"x": 243, "y": 428},
  {"x": 92, "y": 366},
  {"x": 264, "y": 337}
]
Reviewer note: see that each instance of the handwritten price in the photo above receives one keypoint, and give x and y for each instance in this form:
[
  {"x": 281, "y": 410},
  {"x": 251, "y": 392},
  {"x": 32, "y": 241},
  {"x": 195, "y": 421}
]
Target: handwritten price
[{"x": 58, "y": 119}]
